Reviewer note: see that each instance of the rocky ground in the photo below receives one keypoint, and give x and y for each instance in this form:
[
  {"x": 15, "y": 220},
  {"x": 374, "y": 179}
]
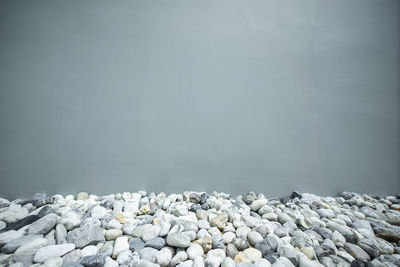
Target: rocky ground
[{"x": 199, "y": 229}]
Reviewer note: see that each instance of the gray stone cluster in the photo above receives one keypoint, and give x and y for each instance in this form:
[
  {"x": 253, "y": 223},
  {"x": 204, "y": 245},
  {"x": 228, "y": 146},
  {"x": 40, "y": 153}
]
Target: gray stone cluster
[{"x": 196, "y": 229}]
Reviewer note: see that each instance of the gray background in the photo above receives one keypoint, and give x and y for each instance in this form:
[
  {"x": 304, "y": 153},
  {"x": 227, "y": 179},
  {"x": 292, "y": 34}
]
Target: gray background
[{"x": 271, "y": 96}]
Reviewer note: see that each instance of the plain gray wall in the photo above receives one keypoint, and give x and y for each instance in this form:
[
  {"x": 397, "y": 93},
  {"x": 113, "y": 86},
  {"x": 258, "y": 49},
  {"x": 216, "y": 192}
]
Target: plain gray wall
[{"x": 270, "y": 96}]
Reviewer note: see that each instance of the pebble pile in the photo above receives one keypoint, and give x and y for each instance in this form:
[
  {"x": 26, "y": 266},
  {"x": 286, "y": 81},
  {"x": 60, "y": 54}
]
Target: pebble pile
[{"x": 196, "y": 229}]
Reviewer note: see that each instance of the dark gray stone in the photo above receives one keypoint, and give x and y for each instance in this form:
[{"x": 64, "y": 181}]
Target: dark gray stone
[
  {"x": 21, "y": 223},
  {"x": 217, "y": 241},
  {"x": 240, "y": 243},
  {"x": 93, "y": 261}
]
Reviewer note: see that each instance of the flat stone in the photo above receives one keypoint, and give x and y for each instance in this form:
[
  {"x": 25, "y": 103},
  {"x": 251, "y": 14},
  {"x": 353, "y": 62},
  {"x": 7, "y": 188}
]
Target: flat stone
[
  {"x": 20, "y": 223},
  {"x": 43, "y": 225},
  {"x": 14, "y": 244},
  {"x": 90, "y": 233},
  {"x": 156, "y": 242},
  {"x": 136, "y": 244},
  {"x": 6, "y": 237},
  {"x": 178, "y": 240},
  {"x": 357, "y": 252},
  {"x": 49, "y": 252}
]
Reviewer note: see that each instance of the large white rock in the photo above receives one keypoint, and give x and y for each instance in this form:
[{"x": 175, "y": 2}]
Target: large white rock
[{"x": 121, "y": 244}]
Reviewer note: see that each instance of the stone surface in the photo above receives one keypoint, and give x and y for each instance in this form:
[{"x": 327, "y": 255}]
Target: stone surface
[{"x": 52, "y": 251}]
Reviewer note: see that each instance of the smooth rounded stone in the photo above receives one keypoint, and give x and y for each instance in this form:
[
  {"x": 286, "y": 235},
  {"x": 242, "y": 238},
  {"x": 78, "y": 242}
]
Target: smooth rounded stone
[
  {"x": 214, "y": 257},
  {"x": 343, "y": 229},
  {"x": 214, "y": 231},
  {"x": 120, "y": 244},
  {"x": 127, "y": 258},
  {"x": 51, "y": 251},
  {"x": 329, "y": 247},
  {"x": 107, "y": 248},
  {"x": 50, "y": 237},
  {"x": 220, "y": 220},
  {"x": 324, "y": 232},
  {"x": 179, "y": 257},
  {"x": 358, "y": 263},
  {"x": 113, "y": 224},
  {"x": 242, "y": 231},
  {"x": 231, "y": 251},
  {"x": 90, "y": 233},
  {"x": 282, "y": 262},
  {"x": 136, "y": 244},
  {"x": 251, "y": 221},
  {"x": 306, "y": 262},
  {"x": 217, "y": 241},
  {"x": 145, "y": 263},
  {"x": 356, "y": 252},
  {"x": 338, "y": 239},
  {"x": 194, "y": 250},
  {"x": 14, "y": 244},
  {"x": 26, "y": 252},
  {"x": 327, "y": 262},
  {"x": 384, "y": 246},
  {"x": 89, "y": 251},
  {"x": 288, "y": 252},
  {"x": 202, "y": 215},
  {"x": 267, "y": 246},
  {"x": 370, "y": 246},
  {"x": 326, "y": 213},
  {"x": 156, "y": 242},
  {"x": 178, "y": 240},
  {"x": 13, "y": 213},
  {"x": 71, "y": 219},
  {"x": 345, "y": 255},
  {"x": 254, "y": 238},
  {"x": 151, "y": 233},
  {"x": 240, "y": 243},
  {"x": 110, "y": 263},
  {"x": 93, "y": 261},
  {"x": 308, "y": 252},
  {"x": 262, "y": 263},
  {"x": 198, "y": 262},
  {"x": 138, "y": 231},
  {"x": 60, "y": 233},
  {"x": 164, "y": 256},
  {"x": 187, "y": 263},
  {"x": 6, "y": 237},
  {"x": 53, "y": 262},
  {"x": 73, "y": 256},
  {"x": 17, "y": 264},
  {"x": 270, "y": 216},
  {"x": 228, "y": 237},
  {"x": 20, "y": 223},
  {"x": 43, "y": 225},
  {"x": 112, "y": 234},
  {"x": 283, "y": 218},
  {"x": 241, "y": 258},
  {"x": 249, "y": 197},
  {"x": 257, "y": 204},
  {"x": 265, "y": 209},
  {"x": 203, "y": 224},
  {"x": 149, "y": 254},
  {"x": 252, "y": 254}
]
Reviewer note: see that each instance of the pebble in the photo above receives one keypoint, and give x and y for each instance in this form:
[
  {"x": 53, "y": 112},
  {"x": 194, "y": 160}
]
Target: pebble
[
  {"x": 121, "y": 244},
  {"x": 112, "y": 234},
  {"x": 194, "y": 251},
  {"x": 178, "y": 240},
  {"x": 156, "y": 242},
  {"x": 51, "y": 251}
]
